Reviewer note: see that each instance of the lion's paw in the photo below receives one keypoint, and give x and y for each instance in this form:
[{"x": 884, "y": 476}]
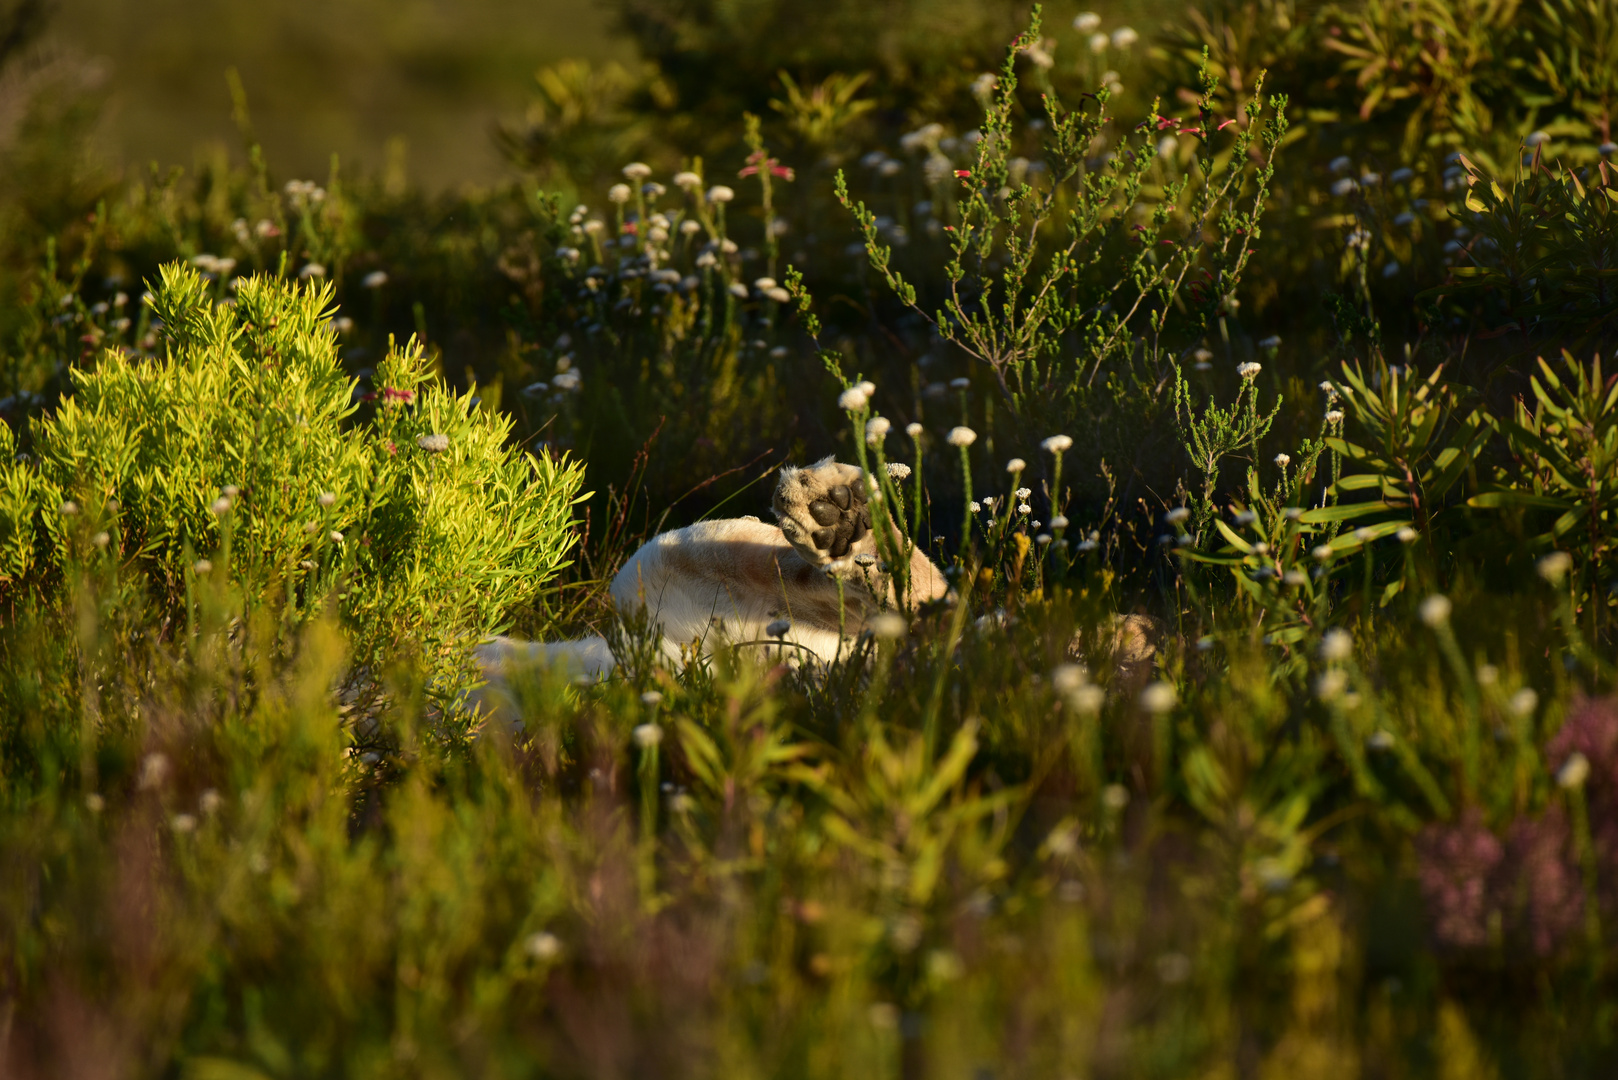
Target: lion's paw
[{"x": 823, "y": 513}]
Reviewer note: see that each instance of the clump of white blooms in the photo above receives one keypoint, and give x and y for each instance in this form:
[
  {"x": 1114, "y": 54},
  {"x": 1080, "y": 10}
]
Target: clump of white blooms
[
  {"x": 1056, "y": 444},
  {"x": 913, "y": 430},
  {"x": 1086, "y": 22},
  {"x": 1177, "y": 516},
  {"x": 375, "y": 279},
  {"x": 888, "y": 626},
  {"x": 1574, "y": 771},
  {"x": 1334, "y": 417},
  {"x": 651, "y": 697},
  {"x": 1337, "y": 645},
  {"x": 1250, "y": 370},
  {"x": 853, "y": 399},
  {"x": 1016, "y": 465},
  {"x": 543, "y": 946},
  {"x": 1554, "y": 567},
  {"x": 877, "y": 428},
  {"x": 647, "y": 735},
  {"x": 1124, "y": 37},
  {"x": 687, "y": 181},
  {"x": 1435, "y": 610},
  {"x": 1158, "y": 697},
  {"x": 637, "y": 170},
  {"x": 326, "y": 498},
  {"x": 962, "y": 383},
  {"x": 719, "y": 193},
  {"x": 220, "y": 505},
  {"x": 68, "y": 508},
  {"x": 961, "y": 436},
  {"x": 1283, "y": 460},
  {"x": 202, "y": 566},
  {"x": 1058, "y": 522},
  {"x": 898, "y": 470}
]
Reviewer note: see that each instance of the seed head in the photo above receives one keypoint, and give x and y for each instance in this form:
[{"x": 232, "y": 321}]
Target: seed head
[
  {"x": 1574, "y": 771},
  {"x": 1554, "y": 567},
  {"x": 1435, "y": 610},
  {"x": 961, "y": 436},
  {"x": 1158, "y": 697},
  {"x": 888, "y": 626},
  {"x": 1336, "y": 645}
]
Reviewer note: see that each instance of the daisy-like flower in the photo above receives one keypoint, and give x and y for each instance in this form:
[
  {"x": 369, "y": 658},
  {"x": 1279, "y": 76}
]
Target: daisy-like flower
[
  {"x": 1016, "y": 465},
  {"x": 853, "y": 399},
  {"x": 637, "y": 170},
  {"x": 961, "y": 436},
  {"x": 1056, "y": 444},
  {"x": 688, "y": 181},
  {"x": 877, "y": 428},
  {"x": 619, "y": 193},
  {"x": 647, "y": 735},
  {"x": 719, "y": 193},
  {"x": 1249, "y": 370}
]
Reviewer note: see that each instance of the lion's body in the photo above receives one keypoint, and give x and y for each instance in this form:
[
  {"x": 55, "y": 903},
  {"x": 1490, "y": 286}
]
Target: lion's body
[{"x": 723, "y": 583}]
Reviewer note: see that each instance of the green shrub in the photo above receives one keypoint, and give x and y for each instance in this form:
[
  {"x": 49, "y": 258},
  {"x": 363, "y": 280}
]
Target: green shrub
[{"x": 236, "y": 457}]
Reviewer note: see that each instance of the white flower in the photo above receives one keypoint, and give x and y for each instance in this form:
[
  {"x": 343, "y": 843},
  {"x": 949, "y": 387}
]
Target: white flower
[
  {"x": 210, "y": 801},
  {"x": 1523, "y": 701},
  {"x": 1574, "y": 771},
  {"x": 764, "y": 284},
  {"x": 1024, "y": 508},
  {"x": 1056, "y": 444},
  {"x": 1124, "y": 37},
  {"x": 1342, "y": 187},
  {"x": 94, "y": 803},
  {"x": 876, "y": 429},
  {"x": 1098, "y": 43},
  {"x": 1178, "y": 515},
  {"x": 962, "y": 383},
  {"x": 1537, "y": 138},
  {"x": 651, "y": 697},
  {"x": 1331, "y": 684},
  {"x": 1158, "y": 697},
  {"x": 690, "y": 227},
  {"x": 1323, "y": 553},
  {"x": 1336, "y": 645},
  {"x": 619, "y": 193},
  {"x": 738, "y": 290},
  {"x": 1249, "y": 370},
  {"x": 438, "y": 442},
  {"x": 1087, "y": 700},
  {"x": 868, "y": 388},
  {"x": 1023, "y": 493},
  {"x": 375, "y": 279},
  {"x": 566, "y": 380},
  {"x": 888, "y": 626},
  {"x": 647, "y": 735},
  {"x": 898, "y": 470},
  {"x": 326, "y": 498},
  {"x": 780, "y": 628},
  {"x": 1069, "y": 677},
  {"x": 913, "y": 430},
  {"x": 1554, "y": 567},
  {"x": 1058, "y": 522},
  {"x": 202, "y": 566},
  {"x": 183, "y": 823},
  {"x": 1391, "y": 269},
  {"x": 1016, "y": 465},
  {"x": 1283, "y": 460},
  {"x": 974, "y": 506},
  {"x": 101, "y": 539},
  {"x": 1271, "y": 342},
  {"x": 778, "y": 294},
  {"x": 220, "y": 505},
  {"x": 1435, "y": 610},
  {"x": 961, "y": 436},
  {"x": 312, "y": 270},
  {"x": 1043, "y": 538},
  {"x": 1086, "y": 22},
  {"x": 719, "y": 193},
  {"x": 1334, "y": 416},
  {"x": 336, "y": 537},
  {"x": 543, "y": 946},
  {"x": 853, "y": 399},
  {"x": 688, "y": 180}
]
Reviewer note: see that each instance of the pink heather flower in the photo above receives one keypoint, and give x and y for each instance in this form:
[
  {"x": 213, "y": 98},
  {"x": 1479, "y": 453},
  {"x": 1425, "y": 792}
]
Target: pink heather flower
[{"x": 1455, "y": 863}]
